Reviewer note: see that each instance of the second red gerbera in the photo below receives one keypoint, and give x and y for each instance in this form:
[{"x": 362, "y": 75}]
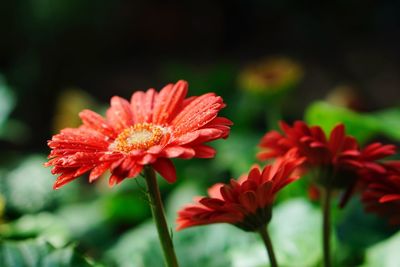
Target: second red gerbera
[
  {"x": 245, "y": 203},
  {"x": 382, "y": 192},
  {"x": 335, "y": 161}
]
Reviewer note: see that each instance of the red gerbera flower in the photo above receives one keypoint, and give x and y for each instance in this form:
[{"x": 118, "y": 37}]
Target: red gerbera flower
[
  {"x": 337, "y": 159},
  {"x": 245, "y": 203},
  {"x": 382, "y": 192},
  {"x": 148, "y": 130}
]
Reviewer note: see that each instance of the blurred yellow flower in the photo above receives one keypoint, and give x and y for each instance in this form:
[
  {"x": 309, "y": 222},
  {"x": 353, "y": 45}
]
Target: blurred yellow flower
[
  {"x": 270, "y": 75},
  {"x": 70, "y": 102}
]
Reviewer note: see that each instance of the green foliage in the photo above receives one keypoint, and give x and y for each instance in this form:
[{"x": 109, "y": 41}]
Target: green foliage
[
  {"x": 362, "y": 126},
  {"x": 7, "y": 101},
  {"x": 358, "y": 229},
  {"x": 28, "y": 187},
  {"x": 44, "y": 225},
  {"x": 296, "y": 233},
  {"x": 39, "y": 253},
  {"x": 327, "y": 116},
  {"x": 385, "y": 253},
  {"x": 238, "y": 153},
  {"x": 10, "y": 129},
  {"x": 389, "y": 122},
  {"x": 295, "y": 230},
  {"x": 24, "y": 196}
]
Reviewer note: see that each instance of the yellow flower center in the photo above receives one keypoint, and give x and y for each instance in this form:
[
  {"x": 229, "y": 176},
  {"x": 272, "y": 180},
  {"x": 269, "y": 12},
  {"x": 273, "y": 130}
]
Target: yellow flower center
[{"x": 139, "y": 136}]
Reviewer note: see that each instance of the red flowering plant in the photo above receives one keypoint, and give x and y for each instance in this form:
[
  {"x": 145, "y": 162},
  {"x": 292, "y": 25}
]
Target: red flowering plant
[
  {"x": 141, "y": 135},
  {"x": 247, "y": 202},
  {"x": 381, "y": 194},
  {"x": 148, "y": 130},
  {"x": 334, "y": 163}
]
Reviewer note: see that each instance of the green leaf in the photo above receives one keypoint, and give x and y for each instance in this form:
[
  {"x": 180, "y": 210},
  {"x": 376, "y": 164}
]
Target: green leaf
[
  {"x": 358, "y": 229},
  {"x": 361, "y": 126},
  {"x": 385, "y": 254},
  {"x": 86, "y": 222},
  {"x": 7, "y": 100},
  {"x": 45, "y": 225},
  {"x": 182, "y": 195},
  {"x": 296, "y": 233},
  {"x": 116, "y": 204},
  {"x": 238, "y": 153},
  {"x": 38, "y": 253},
  {"x": 389, "y": 122},
  {"x": 29, "y": 187}
]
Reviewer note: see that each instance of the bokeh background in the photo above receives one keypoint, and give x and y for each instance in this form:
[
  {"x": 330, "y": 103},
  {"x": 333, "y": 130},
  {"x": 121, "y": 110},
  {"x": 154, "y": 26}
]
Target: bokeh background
[{"x": 268, "y": 59}]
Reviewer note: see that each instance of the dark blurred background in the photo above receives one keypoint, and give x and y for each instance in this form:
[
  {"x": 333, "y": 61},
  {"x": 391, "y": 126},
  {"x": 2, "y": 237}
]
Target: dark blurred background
[
  {"x": 59, "y": 57},
  {"x": 114, "y": 47}
]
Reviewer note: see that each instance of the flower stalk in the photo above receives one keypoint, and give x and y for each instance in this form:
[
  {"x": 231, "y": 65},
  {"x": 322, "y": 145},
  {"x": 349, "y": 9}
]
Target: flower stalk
[
  {"x": 157, "y": 211},
  {"x": 326, "y": 224},
  {"x": 268, "y": 244}
]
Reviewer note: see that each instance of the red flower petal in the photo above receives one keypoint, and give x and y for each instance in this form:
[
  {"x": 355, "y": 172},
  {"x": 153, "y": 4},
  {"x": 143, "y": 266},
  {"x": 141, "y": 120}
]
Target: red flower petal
[
  {"x": 197, "y": 114},
  {"x": 96, "y": 122},
  {"x": 168, "y": 102},
  {"x": 166, "y": 169},
  {"x": 204, "y": 151},
  {"x": 142, "y": 104},
  {"x": 120, "y": 114}
]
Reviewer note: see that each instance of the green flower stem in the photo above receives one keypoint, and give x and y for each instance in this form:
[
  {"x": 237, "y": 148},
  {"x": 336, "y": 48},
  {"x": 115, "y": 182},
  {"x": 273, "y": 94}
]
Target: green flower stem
[
  {"x": 326, "y": 227},
  {"x": 159, "y": 218},
  {"x": 268, "y": 244}
]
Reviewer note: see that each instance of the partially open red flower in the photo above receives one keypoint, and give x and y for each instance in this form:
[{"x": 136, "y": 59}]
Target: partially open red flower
[
  {"x": 337, "y": 158},
  {"x": 311, "y": 143},
  {"x": 245, "y": 203},
  {"x": 382, "y": 192},
  {"x": 148, "y": 130}
]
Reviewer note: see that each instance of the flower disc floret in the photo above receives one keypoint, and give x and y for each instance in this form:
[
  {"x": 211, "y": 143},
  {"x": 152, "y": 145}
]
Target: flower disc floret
[{"x": 139, "y": 136}]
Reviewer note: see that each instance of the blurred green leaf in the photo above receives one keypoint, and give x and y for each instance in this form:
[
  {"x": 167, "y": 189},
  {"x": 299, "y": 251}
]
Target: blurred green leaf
[
  {"x": 29, "y": 187},
  {"x": 385, "y": 254},
  {"x": 87, "y": 222},
  {"x": 38, "y": 253},
  {"x": 181, "y": 196},
  {"x": 389, "y": 122},
  {"x": 126, "y": 206},
  {"x": 7, "y": 100},
  {"x": 238, "y": 153},
  {"x": 14, "y": 131},
  {"x": 358, "y": 229},
  {"x": 361, "y": 126},
  {"x": 296, "y": 189},
  {"x": 10, "y": 129},
  {"x": 296, "y": 233},
  {"x": 45, "y": 225}
]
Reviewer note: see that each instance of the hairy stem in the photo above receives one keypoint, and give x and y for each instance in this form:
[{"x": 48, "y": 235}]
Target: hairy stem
[
  {"x": 157, "y": 211},
  {"x": 268, "y": 244}
]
